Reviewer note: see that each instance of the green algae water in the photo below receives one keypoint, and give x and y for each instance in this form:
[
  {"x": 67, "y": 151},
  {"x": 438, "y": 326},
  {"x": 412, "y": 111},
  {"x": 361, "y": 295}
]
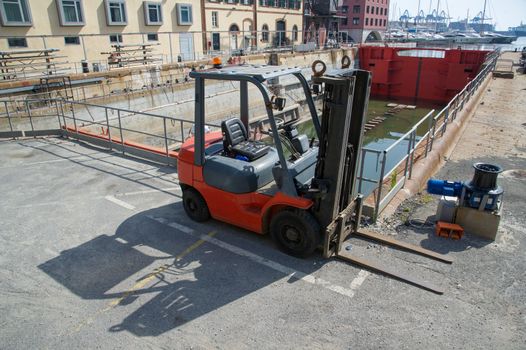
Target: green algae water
[{"x": 383, "y": 136}]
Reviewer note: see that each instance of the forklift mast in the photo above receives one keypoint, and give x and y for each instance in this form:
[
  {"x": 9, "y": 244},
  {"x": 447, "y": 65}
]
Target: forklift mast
[{"x": 345, "y": 101}]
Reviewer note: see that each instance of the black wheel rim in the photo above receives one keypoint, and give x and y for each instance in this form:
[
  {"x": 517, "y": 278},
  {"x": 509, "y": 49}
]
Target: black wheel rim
[{"x": 292, "y": 237}]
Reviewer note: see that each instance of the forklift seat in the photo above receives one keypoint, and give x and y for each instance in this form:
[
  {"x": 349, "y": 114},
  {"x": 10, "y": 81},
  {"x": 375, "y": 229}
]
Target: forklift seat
[{"x": 235, "y": 140}]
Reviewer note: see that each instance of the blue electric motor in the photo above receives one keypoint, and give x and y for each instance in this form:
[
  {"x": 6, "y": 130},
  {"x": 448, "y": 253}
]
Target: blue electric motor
[
  {"x": 482, "y": 188},
  {"x": 445, "y": 188}
]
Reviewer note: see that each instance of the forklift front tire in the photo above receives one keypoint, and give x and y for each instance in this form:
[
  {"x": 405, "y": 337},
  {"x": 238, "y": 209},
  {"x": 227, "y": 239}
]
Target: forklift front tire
[
  {"x": 296, "y": 232},
  {"x": 195, "y": 205}
]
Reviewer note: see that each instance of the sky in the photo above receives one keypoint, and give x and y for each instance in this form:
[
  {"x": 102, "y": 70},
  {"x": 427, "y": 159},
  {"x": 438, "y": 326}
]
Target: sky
[{"x": 504, "y": 13}]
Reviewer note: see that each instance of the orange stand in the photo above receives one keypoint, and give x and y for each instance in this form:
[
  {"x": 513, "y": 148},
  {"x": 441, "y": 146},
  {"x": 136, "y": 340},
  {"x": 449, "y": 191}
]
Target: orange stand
[{"x": 448, "y": 230}]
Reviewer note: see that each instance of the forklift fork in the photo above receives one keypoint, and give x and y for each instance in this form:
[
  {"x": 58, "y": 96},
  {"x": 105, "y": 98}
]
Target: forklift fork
[
  {"x": 338, "y": 208},
  {"x": 347, "y": 224}
]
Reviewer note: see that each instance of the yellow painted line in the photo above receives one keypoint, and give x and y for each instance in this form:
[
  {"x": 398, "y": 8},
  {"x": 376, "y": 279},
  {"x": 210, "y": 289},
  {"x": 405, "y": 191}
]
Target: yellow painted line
[{"x": 143, "y": 282}]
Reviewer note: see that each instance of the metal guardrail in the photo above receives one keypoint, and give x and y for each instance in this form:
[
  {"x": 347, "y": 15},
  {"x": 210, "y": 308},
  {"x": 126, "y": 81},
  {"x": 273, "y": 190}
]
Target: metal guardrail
[
  {"x": 113, "y": 129},
  {"x": 170, "y": 132},
  {"x": 417, "y": 146}
]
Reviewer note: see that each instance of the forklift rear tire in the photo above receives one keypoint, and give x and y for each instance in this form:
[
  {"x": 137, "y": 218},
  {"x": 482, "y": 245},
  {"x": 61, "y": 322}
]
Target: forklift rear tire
[
  {"x": 195, "y": 205},
  {"x": 296, "y": 232}
]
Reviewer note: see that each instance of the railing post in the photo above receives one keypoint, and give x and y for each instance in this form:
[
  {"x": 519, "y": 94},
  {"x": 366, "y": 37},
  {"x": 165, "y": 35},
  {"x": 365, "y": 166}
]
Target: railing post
[
  {"x": 412, "y": 153},
  {"x": 380, "y": 185},
  {"x": 63, "y": 115},
  {"x": 182, "y": 130},
  {"x": 74, "y": 118},
  {"x": 30, "y": 117},
  {"x": 108, "y": 127},
  {"x": 58, "y": 114},
  {"x": 433, "y": 134},
  {"x": 446, "y": 119},
  {"x": 166, "y": 142},
  {"x": 120, "y": 129},
  {"x": 362, "y": 166},
  {"x": 408, "y": 153},
  {"x": 429, "y": 125},
  {"x": 8, "y": 116}
]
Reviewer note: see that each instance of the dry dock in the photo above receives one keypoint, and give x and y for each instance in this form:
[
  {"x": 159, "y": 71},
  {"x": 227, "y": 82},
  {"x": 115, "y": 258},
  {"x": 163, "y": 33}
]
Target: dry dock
[{"x": 97, "y": 252}]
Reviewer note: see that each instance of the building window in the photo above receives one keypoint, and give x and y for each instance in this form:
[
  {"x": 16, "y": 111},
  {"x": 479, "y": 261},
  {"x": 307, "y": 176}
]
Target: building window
[
  {"x": 264, "y": 33},
  {"x": 153, "y": 37},
  {"x": 294, "y": 33},
  {"x": 216, "y": 39},
  {"x": 356, "y": 21},
  {"x": 263, "y": 2},
  {"x": 376, "y": 21},
  {"x": 215, "y": 22},
  {"x": 184, "y": 14},
  {"x": 345, "y": 9},
  {"x": 116, "y": 39},
  {"x": 377, "y": 10},
  {"x": 385, "y": 12},
  {"x": 356, "y": 9},
  {"x": 71, "y": 40},
  {"x": 384, "y": 22},
  {"x": 17, "y": 42},
  {"x": 367, "y": 9},
  {"x": 344, "y": 21},
  {"x": 245, "y": 2},
  {"x": 153, "y": 13},
  {"x": 116, "y": 12},
  {"x": 70, "y": 12},
  {"x": 367, "y": 21},
  {"x": 15, "y": 13}
]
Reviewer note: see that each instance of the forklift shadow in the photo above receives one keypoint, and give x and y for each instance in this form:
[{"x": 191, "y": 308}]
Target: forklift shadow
[{"x": 140, "y": 262}]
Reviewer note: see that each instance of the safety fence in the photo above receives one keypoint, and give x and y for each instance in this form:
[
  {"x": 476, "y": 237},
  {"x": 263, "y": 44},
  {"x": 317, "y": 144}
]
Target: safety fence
[
  {"x": 384, "y": 178},
  {"x": 125, "y": 130},
  {"x": 152, "y": 136},
  {"x": 173, "y": 47}
]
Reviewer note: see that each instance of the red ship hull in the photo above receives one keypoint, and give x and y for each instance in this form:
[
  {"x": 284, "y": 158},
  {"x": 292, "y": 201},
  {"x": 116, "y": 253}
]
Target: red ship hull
[{"x": 424, "y": 79}]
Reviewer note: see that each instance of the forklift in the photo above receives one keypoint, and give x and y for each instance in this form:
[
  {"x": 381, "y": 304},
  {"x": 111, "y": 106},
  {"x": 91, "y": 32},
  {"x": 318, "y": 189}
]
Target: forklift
[{"x": 305, "y": 198}]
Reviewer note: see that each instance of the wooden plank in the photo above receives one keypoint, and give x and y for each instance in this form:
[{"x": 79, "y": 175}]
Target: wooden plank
[
  {"x": 388, "y": 271},
  {"x": 407, "y": 246},
  {"x": 42, "y": 64},
  {"x": 15, "y": 52},
  {"x": 31, "y": 58}
]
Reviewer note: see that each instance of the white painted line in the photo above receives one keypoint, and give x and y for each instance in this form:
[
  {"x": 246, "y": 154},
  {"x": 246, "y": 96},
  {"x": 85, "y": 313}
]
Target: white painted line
[
  {"x": 269, "y": 263},
  {"x": 119, "y": 202},
  {"x": 358, "y": 280},
  {"x": 148, "y": 191}
]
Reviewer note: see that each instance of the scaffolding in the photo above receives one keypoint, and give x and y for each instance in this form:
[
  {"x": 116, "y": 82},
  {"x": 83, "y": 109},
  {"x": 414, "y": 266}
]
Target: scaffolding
[{"x": 27, "y": 64}]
